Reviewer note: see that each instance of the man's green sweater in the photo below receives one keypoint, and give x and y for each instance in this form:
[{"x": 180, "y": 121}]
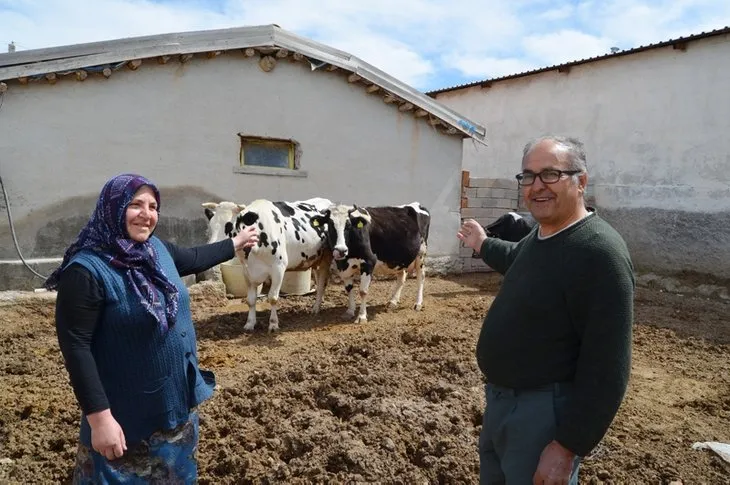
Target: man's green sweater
[{"x": 564, "y": 313}]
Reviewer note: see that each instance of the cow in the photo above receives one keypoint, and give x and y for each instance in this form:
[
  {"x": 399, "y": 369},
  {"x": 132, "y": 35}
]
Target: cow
[
  {"x": 393, "y": 238},
  {"x": 221, "y": 217},
  {"x": 287, "y": 242},
  {"x": 509, "y": 227}
]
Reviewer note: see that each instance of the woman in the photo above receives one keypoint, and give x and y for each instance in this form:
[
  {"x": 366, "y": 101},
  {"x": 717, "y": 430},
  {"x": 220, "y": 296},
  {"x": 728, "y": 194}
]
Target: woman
[{"x": 126, "y": 334}]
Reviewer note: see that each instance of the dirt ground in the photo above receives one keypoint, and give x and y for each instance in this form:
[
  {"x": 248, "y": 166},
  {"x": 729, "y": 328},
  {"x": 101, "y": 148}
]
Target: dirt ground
[{"x": 395, "y": 400}]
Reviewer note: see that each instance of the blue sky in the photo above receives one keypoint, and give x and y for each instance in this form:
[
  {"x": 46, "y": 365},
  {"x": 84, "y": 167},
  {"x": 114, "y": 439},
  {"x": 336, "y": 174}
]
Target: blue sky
[{"x": 427, "y": 43}]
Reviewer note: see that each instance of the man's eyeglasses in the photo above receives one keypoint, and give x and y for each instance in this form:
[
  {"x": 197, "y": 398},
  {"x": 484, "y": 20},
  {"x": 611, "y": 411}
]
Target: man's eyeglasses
[{"x": 549, "y": 176}]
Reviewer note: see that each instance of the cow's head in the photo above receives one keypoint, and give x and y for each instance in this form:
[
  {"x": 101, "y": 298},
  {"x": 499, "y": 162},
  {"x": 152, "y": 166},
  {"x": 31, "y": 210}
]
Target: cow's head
[
  {"x": 221, "y": 218},
  {"x": 510, "y": 227},
  {"x": 345, "y": 225}
]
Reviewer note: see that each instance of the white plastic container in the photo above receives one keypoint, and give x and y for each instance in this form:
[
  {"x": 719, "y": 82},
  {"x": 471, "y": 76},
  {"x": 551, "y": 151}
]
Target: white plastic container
[
  {"x": 232, "y": 274},
  {"x": 297, "y": 282}
]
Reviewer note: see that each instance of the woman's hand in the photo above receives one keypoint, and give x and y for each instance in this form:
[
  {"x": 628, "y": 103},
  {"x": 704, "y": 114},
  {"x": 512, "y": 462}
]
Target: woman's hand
[
  {"x": 107, "y": 437},
  {"x": 246, "y": 238}
]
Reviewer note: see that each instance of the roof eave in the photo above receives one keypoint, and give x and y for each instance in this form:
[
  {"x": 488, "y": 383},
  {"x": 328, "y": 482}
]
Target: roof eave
[{"x": 36, "y": 62}]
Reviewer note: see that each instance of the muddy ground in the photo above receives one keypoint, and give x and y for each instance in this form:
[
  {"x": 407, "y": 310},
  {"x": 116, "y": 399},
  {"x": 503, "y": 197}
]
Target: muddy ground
[{"x": 395, "y": 400}]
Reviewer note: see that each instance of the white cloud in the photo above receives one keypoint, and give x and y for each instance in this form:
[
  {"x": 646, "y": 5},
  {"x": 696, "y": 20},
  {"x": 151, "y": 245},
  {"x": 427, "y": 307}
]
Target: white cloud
[
  {"x": 565, "y": 46},
  {"x": 490, "y": 67},
  {"x": 414, "y": 40},
  {"x": 559, "y": 13}
]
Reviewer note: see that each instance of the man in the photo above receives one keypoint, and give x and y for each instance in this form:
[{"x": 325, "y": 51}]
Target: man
[{"x": 555, "y": 346}]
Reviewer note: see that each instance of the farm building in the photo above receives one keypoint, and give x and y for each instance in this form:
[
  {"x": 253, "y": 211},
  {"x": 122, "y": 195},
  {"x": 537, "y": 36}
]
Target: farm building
[
  {"x": 234, "y": 114},
  {"x": 654, "y": 121}
]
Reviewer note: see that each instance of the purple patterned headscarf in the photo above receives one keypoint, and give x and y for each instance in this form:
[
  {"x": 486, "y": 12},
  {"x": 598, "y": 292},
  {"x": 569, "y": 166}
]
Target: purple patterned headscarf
[{"x": 106, "y": 234}]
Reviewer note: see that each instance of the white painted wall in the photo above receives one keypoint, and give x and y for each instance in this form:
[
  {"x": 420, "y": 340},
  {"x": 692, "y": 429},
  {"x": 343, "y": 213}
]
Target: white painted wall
[
  {"x": 178, "y": 123},
  {"x": 655, "y": 124},
  {"x": 656, "y": 128}
]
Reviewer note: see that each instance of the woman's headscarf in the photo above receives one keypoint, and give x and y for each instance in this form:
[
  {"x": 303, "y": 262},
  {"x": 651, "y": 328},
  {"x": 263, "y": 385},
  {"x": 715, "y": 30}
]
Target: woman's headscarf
[{"x": 106, "y": 234}]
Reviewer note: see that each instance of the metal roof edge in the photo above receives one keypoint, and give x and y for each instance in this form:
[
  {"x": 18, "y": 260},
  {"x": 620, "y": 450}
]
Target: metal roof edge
[
  {"x": 634, "y": 50},
  {"x": 376, "y": 76}
]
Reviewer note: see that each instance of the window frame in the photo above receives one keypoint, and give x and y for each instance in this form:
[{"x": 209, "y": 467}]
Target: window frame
[
  {"x": 294, "y": 156},
  {"x": 267, "y": 142}
]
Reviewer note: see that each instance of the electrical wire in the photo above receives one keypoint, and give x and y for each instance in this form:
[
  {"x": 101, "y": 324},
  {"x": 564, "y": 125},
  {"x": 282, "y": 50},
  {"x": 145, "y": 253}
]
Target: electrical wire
[{"x": 12, "y": 231}]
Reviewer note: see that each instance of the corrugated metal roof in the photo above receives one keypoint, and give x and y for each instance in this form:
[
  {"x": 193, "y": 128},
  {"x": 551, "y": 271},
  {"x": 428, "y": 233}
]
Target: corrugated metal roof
[
  {"x": 24, "y": 64},
  {"x": 671, "y": 42}
]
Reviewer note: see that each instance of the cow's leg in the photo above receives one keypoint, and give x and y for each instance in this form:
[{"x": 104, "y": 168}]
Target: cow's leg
[
  {"x": 365, "y": 279},
  {"x": 421, "y": 280},
  {"x": 397, "y": 288},
  {"x": 349, "y": 286},
  {"x": 321, "y": 277},
  {"x": 277, "y": 277},
  {"x": 251, "y": 295}
]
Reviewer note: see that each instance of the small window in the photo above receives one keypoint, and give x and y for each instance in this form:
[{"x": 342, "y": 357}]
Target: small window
[{"x": 268, "y": 152}]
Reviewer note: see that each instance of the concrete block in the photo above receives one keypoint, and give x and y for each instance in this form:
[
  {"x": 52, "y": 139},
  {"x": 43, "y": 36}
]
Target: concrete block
[
  {"x": 507, "y": 204},
  {"x": 479, "y": 182},
  {"x": 465, "y": 252},
  {"x": 485, "y": 192},
  {"x": 503, "y": 204},
  {"x": 470, "y": 192},
  {"x": 473, "y": 265},
  {"x": 509, "y": 184},
  {"x": 474, "y": 202},
  {"x": 473, "y": 212}
]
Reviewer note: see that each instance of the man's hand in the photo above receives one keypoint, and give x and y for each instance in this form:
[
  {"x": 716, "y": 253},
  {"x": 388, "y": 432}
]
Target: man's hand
[
  {"x": 472, "y": 234},
  {"x": 555, "y": 466},
  {"x": 246, "y": 238},
  {"x": 107, "y": 437}
]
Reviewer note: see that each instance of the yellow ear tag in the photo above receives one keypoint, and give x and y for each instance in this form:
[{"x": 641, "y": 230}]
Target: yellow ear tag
[
  {"x": 315, "y": 223},
  {"x": 360, "y": 224}
]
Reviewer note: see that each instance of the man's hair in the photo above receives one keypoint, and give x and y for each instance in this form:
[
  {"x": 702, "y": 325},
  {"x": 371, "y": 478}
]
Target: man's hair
[{"x": 572, "y": 147}]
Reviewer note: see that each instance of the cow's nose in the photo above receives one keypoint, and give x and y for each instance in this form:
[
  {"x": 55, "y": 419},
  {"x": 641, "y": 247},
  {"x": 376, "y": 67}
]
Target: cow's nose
[{"x": 340, "y": 252}]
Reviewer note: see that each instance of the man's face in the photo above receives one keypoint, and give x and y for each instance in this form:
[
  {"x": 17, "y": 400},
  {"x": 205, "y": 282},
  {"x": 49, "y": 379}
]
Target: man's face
[{"x": 551, "y": 204}]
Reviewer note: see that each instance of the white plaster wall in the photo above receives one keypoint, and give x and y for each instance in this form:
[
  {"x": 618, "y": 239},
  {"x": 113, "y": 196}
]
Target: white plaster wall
[
  {"x": 178, "y": 125},
  {"x": 655, "y": 125}
]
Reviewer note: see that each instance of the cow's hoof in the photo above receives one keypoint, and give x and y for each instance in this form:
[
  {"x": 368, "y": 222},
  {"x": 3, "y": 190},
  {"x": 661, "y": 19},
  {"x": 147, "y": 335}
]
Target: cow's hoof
[
  {"x": 248, "y": 328},
  {"x": 392, "y": 305},
  {"x": 348, "y": 314},
  {"x": 417, "y": 307},
  {"x": 361, "y": 319},
  {"x": 273, "y": 328}
]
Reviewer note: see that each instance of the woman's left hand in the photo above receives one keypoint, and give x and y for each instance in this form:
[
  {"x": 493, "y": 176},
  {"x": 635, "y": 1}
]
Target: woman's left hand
[{"x": 246, "y": 238}]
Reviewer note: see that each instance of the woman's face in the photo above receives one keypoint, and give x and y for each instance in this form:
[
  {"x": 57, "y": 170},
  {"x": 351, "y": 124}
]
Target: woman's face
[{"x": 142, "y": 214}]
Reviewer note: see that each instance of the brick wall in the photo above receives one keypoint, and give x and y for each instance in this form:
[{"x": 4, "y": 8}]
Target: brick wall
[{"x": 484, "y": 200}]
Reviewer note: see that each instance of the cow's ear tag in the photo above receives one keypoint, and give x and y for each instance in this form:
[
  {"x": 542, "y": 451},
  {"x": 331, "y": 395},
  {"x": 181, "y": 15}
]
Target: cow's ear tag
[
  {"x": 360, "y": 225},
  {"x": 315, "y": 223}
]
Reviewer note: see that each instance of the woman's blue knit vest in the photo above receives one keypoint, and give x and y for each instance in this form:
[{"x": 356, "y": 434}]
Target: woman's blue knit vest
[{"x": 151, "y": 378}]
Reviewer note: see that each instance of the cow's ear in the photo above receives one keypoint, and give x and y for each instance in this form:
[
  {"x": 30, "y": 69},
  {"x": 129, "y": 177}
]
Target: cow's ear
[
  {"x": 209, "y": 205},
  {"x": 359, "y": 222},
  {"x": 239, "y": 208},
  {"x": 208, "y": 213},
  {"x": 316, "y": 220}
]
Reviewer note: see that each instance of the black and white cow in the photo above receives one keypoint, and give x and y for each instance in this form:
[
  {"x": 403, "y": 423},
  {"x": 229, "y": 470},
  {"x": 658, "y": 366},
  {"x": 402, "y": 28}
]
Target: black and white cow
[
  {"x": 287, "y": 242},
  {"x": 393, "y": 238},
  {"x": 511, "y": 226}
]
